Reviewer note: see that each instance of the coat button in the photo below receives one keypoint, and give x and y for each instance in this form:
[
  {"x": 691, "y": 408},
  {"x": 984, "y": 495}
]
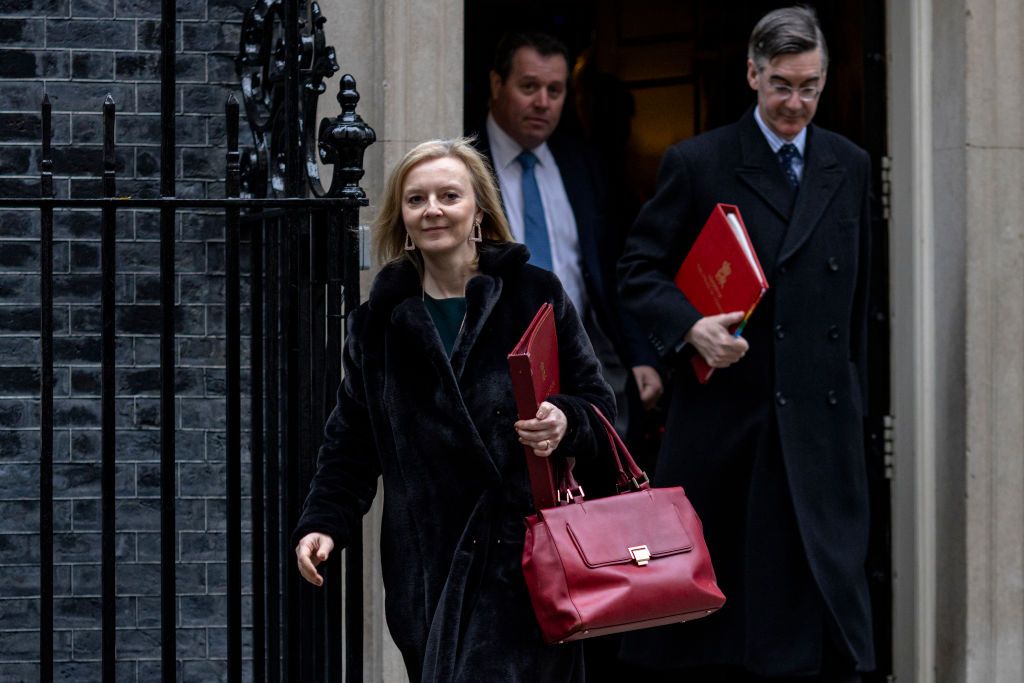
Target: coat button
[
  {"x": 833, "y": 263},
  {"x": 779, "y": 398},
  {"x": 831, "y": 398},
  {"x": 833, "y": 331},
  {"x": 779, "y": 332}
]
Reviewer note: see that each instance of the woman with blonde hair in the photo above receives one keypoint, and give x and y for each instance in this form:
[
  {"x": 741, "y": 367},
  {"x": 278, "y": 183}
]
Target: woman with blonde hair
[{"x": 427, "y": 405}]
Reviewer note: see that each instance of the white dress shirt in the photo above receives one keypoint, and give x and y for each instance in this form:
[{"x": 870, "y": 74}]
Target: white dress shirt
[
  {"x": 776, "y": 141},
  {"x": 565, "y": 243}
]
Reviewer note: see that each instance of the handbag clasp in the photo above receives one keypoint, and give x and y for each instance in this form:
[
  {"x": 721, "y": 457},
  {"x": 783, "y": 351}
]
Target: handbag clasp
[{"x": 640, "y": 554}]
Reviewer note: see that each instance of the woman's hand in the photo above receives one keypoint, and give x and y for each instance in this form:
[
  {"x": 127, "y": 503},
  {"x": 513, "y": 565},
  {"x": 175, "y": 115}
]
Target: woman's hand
[
  {"x": 544, "y": 432},
  {"x": 313, "y": 548}
]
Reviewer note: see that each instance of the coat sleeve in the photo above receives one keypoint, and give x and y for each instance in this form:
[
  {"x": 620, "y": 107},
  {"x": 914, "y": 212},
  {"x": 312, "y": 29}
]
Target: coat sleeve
[
  {"x": 654, "y": 249},
  {"x": 582, "y": 384},
  {"x": 348, "y": 465}
]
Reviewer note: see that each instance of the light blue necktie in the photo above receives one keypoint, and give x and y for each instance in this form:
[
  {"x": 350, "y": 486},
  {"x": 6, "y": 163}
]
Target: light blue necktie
[
  {"x": 535, "y": 227},
  {"x": 787, "y": 153}
]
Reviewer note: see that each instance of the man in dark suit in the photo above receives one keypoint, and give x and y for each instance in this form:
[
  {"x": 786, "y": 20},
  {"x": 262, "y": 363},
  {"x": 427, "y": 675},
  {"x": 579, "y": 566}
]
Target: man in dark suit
[
  {"x": 555, "y": 197},
  {"x": 770, "y": 450}
]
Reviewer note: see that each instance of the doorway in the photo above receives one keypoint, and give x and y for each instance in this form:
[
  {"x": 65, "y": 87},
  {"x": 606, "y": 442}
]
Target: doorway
[{"x": 648, "y": 73}]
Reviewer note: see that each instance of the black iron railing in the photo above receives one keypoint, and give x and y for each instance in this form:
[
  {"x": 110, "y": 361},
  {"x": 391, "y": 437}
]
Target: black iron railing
[{"x": 303, "y": 281}]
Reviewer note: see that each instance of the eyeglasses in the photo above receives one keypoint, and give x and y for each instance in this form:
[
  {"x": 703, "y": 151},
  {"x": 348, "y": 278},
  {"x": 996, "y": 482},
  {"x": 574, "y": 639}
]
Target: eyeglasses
[{"x": 784, "y": 92}]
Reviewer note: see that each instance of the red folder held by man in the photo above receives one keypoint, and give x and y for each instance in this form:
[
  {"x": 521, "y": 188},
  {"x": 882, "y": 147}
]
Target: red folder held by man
[{"x": 721, "y": 273}]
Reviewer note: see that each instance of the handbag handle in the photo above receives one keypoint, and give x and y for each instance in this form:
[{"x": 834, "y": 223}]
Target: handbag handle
[{"x": 629, "y": 476}]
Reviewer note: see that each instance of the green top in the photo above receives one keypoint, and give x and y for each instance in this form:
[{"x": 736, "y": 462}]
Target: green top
[{"x": 447, "y": 315}]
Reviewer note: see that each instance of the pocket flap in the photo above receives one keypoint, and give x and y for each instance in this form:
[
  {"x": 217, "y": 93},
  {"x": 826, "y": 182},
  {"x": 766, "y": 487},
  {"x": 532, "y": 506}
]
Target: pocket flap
[{"x": 606, "y": 529}]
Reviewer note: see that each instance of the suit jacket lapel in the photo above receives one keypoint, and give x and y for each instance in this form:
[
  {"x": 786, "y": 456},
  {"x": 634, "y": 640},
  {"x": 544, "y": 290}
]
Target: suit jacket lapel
[
  {"x": 822, "y": 177},
  {"x": 761, "y": 171}
]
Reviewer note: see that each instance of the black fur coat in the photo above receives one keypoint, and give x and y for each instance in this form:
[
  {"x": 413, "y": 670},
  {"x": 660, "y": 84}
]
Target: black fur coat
[{"x": 440, "y": 434}]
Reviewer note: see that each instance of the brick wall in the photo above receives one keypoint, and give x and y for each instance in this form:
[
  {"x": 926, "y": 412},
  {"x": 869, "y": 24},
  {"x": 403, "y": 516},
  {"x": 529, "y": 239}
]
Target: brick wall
[{"x": 78, "y": 51}]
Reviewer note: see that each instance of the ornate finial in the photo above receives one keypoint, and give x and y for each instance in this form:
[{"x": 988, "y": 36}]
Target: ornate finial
[{"x": 343, "y": 141}]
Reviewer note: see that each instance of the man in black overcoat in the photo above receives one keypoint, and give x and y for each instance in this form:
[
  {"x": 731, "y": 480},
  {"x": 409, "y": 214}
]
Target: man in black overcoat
[
  {"x": 528, "y": 90},
  {"x": 770, "y": 450}
]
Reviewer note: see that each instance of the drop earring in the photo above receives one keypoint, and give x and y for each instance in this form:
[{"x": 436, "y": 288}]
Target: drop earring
[
  {"x": 478, "y": 234},
  {"x": 409, "y": 245}
]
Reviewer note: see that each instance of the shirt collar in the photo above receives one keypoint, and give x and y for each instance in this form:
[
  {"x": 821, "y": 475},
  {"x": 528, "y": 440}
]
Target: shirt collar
[
  {"x": 776, "y": 141},
  {"x": 504, "y": 149}
]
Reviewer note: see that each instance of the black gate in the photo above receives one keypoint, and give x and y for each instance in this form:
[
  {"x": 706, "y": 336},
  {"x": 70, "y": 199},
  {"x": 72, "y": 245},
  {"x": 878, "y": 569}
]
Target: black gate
[{"x": 303, "y": 279}]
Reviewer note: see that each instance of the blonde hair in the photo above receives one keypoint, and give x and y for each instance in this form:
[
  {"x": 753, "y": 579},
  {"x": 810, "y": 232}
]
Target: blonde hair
[{"x": 389, "y": 229}]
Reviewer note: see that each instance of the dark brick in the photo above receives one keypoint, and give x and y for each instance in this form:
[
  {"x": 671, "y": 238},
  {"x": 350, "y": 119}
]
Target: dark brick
[
  {"x": 77, "y": 349},
  {"x": 145, "y": 66},
  {"x": 86, "y": 34},
  {"x": 187, "y": 9},
  {"x": 211, "y": 37},
  {"x": 18, "y": 613},
  {"x": 17, "y": 549},
  {"x": 19, "y": 256},
  {"x": 92, "y": 65},
  {"x": 139, "y": 319},
  {"x": 15, "y": 582},
  {"x": 87, "y": 129},
  {"x": 19, "y": 444},
  {"x": 85, "y": 256},
  {"x": 148, "y": 35},
  {"x": 85, "y": 612},
  {"x": 88, "y": 160},
  {"x": 193, "y": 189},
  {"x": 201, "y": 479},
  {"x": 203, "y": 610},
  {"x": 20, "y": 671},
  {"x": 21, "y": 32},
  {"x": 85, "y": 547},
  {"x": 21, "y": 127},
  {"x": 21, "y": 95},
  {"x": 19, "y": 287},
  {"x": 202, "y": 227},
  {"x": 89, "y": 97},
  {"x": 19, "y": 482},
  {"x": 147, "y": 288},
  {"x": 92, "y": 8},
  {"x": 216, "y": 509},
  {"x": 203, "y": 163},
  {"x": 227, "y": 10},
  {"x": 17, "y": 223},
  {"x": 144, "y": 257},
  {"x": 147, "y": 412},
  {"x": 190, "y": 130},
  {"x": 34, "y": 8},
  {"x": 20, "y": 380},
  {"x": 19, "y": 319},
  {"x": 86, "y": 444},
  {"x": 16, "y": 514},
  {"x": 206, "y": 99},
  {"x": 217, "y": 575},
  {"x": 147, "y": 480},
  {"x": 221, "y": 69},
  {"x": 147, "y": 350},
  {"x": 17, "y": 412},
  {"x": 147, "y": 162},
  {"x": 16, "y": 160},
  {"x": 199, "y": 546},
  {"x": 19, "y": 350},
  {"x": 51, "y": 64}
]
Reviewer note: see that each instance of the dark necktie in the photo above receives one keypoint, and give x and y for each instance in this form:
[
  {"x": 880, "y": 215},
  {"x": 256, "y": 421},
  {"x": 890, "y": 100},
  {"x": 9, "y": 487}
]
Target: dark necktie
[
  {"x": 787, "y": 154},
  {"x": 535, "y": 232}
]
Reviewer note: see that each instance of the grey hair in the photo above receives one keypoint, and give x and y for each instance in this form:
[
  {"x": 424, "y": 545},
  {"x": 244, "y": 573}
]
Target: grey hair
[{"x": 786, "y": 31}]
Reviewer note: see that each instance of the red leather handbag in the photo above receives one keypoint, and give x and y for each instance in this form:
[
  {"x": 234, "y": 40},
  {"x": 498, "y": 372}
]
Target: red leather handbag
[{"x": 625, "y": 562}]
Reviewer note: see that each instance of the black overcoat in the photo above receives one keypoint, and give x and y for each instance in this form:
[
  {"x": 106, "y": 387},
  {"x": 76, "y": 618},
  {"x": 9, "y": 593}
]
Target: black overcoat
[
  {"x": 439, "y": 433},
  {"x": 770, "y": 450}
]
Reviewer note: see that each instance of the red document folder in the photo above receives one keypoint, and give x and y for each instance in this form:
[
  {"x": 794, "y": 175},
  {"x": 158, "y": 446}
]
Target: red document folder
[
  {"x": 721, "y": 273},
  {"x": 533, "y": 364}
]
